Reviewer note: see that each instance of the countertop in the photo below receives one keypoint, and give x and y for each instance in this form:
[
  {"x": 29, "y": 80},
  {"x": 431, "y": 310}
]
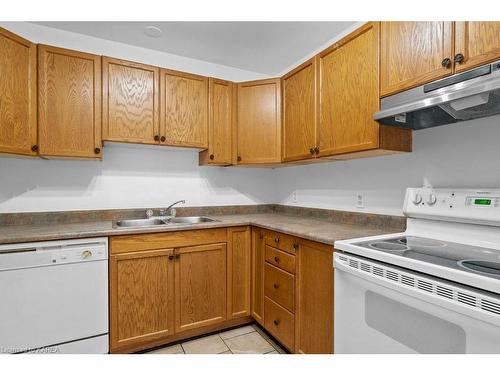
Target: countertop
[{"x": 312, "y": 229}]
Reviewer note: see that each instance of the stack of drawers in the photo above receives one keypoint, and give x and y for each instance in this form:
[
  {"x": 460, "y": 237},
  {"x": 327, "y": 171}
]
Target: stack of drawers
[{"x": 279, "y": 287}]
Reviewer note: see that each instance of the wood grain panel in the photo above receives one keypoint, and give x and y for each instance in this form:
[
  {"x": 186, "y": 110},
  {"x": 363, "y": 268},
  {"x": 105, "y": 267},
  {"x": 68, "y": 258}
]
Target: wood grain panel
[
  {"x": 69, "y": 103},
  {"x": 200, "y": 286},
  {"x": 141, "y": 297},
  {"x": 18, "y": 108},
  {"x": 479, "y": 42},
  {"x": 139, "y": 242},
  {"x": 349, "y": 93},
  {"x": 280, "y": 259},
  {"x": 314, "y": 323},
  {"x": 184, "y": 109},
  {"x": 299, "y": 112},
  {"x": 238, "y": 271},
  {"x": 281, "y": 241},
  {"x": 130, "y": 101},
  {"x": 412, "y": 52},
  {"x": 257, "y": 287},
  {"x": 220, "y": 124},
  {"x": 279, "y": 286},
  {"x": 259, "y": 122},
  {"x": 280, "y": 323}
]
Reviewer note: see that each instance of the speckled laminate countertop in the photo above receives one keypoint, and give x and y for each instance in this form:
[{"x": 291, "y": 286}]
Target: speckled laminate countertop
[{"x": 313, "y": 229}]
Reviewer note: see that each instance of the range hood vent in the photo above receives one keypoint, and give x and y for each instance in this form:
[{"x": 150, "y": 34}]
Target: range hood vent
[{"x": 460, "y": 97}]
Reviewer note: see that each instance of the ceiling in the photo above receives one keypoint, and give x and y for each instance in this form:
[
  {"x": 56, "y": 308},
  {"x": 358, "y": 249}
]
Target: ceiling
[{"x": 261, "y": 47}]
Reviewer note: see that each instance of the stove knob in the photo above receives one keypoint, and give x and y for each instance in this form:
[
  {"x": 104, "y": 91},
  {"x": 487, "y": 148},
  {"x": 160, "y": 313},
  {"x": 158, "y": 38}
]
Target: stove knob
[
  {"x": 417, "y": 199},
  {"x": 431, "y": 199}
]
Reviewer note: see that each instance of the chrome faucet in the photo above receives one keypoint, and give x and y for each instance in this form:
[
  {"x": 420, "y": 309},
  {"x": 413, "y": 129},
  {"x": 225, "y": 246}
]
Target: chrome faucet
[{"x": 165, "y": 212}]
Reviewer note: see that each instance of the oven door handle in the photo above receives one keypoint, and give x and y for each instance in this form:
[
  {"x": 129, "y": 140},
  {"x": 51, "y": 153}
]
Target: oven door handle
[{"x": 451, "y": 296}]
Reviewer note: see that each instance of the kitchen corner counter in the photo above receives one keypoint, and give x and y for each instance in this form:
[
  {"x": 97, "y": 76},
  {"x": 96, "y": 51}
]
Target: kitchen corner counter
[{"x": 318, "y": 230}]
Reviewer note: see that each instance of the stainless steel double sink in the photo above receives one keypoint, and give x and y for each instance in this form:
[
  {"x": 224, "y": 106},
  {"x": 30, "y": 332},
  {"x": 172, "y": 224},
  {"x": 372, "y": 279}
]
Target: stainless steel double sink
[{"x": 153, "y": 222}]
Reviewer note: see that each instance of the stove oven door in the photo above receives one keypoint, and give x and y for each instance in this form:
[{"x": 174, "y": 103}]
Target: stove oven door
[{"x": 385, "y": 309}]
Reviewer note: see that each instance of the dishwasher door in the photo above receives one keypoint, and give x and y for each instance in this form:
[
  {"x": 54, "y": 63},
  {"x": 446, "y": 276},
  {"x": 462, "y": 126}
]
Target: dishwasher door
[
  {"x": 54, "y": 294},
  {"x": 385, "y": 309}
]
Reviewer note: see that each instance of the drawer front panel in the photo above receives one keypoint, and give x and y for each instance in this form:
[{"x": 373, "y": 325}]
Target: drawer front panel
[
  {"x": 280, "y": 259},
  {"x": 282, "y": 241},
  {"x": 279, "y": 286},
  {"x": 280, "y": 323}
]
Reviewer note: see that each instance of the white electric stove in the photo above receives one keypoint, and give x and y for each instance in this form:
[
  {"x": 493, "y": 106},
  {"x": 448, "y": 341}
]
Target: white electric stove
[{"x": 432, "y": 289}]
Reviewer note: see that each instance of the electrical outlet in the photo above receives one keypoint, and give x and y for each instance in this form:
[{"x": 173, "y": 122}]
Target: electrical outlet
[
  {"x": 360, "y": 201},
  {"x": 294, "y": 197}
]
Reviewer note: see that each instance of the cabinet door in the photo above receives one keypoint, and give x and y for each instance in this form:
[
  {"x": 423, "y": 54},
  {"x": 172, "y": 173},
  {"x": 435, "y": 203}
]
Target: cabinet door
[
  {"x": 299, "y": 112},
  {"x": 259, "y": 122},
  {"x": 220, "y": 123},
  {"x": 141, "y": 297},
  {"x": 412, "y": 54},
  {"x": 17, "y": 95},
  {"x": 314, "y": 323},
  {"x": 348, "y": 93},
  {"x": 258, "y": 249},
  {"x": 200, "y": 286},
  {"x": 238, "y": 272},
  {"x": 478, "y": 42},
  {"x": 130, "y": 102},
  {"x": 184, "y": 109},
  {"x": 69, "y": 103}
]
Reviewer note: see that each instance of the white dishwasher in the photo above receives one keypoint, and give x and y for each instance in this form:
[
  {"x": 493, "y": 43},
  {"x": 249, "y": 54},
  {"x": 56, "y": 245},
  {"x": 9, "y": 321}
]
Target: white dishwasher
[{"x": 54, "y": 297}]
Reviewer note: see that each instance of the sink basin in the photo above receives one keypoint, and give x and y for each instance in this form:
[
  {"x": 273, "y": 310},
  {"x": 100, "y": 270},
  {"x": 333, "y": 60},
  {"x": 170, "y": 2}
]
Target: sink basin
[
  {"x": 139, "y": 223},
  {"x": 190, "y": 220}
]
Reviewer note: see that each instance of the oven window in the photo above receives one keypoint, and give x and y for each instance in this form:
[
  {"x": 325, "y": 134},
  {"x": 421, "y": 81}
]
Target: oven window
[{"x": 418, "y": 330}]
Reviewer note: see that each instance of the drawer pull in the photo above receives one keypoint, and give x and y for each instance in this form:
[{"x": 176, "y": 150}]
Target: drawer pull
[
  {"x": 276, "y": 322},
  {"x": 295, "y": 246},
  {"x": 277, "y": 239},
  {"x": 276, "y": 286},
  {"x": 277, "y": 259},
  {"x": 171, "y": 257}
]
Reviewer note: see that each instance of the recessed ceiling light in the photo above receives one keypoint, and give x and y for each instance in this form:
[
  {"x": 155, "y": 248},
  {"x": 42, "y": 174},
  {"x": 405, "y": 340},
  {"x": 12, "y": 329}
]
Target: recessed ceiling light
[{"x": 152, "y": 31}]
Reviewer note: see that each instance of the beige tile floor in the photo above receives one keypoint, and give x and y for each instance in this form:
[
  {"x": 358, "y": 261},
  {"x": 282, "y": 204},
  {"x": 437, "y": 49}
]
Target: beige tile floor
[{"x": 249, "y": 339}]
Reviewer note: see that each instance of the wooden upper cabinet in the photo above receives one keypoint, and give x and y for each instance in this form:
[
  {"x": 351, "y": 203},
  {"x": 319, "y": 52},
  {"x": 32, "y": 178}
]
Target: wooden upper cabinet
[
  {"x": 17, "y": 95},
  {"x": 200, "y": 286},
  {"x": 69, "y": 103},
  {"x": 477, "y": 42},
  {"x": 220, "y": 123},
  {"x": 238, "y": 271},
  {"x": 348, "y": 93},
  {"x": 412, "y": 54},
  {"x": 141, "y": 297},
  {"x": 130, "y": 102},
  {"x": 259, "y": 122},
  {"x": 299, "y": 112},
  {"x": 184, "y": 109}
]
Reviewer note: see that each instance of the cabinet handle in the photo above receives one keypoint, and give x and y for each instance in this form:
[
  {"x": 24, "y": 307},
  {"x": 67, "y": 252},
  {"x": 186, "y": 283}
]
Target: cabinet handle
[
  {"x": 311, "y": 150},
  {"x": 459, "y": 58},
  {"x": 276, "y": 322},
  {"x": 177, "y": 256},
  {"x": 295, "y": 246},
  {"x": 446, "y": 63},
  {"x": 97, "y": 150},
  {"x": 277, "y": 239},
  {"x": 34, "y": 148},
  {"x": 163, "y": 139},
  {"x": 277, "y": 259},
  {"x": 157, "y": 138},
  {"x": 316, "y": 150},
  {"x": 171, "y": 257},
  {"x": 276, "y": 286},
  {"x": 238, "y": 158},
  {"x": 212, "y": 157}
]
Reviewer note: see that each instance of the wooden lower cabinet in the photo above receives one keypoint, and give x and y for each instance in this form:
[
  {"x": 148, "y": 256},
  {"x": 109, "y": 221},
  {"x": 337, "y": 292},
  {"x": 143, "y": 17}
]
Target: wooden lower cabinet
[
  {"x": 200, "y": 286},
  {"x": 141, "y": 297}
]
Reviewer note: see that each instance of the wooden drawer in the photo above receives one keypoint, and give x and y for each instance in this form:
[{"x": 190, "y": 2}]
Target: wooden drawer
[
  {"x": 279, "y": 286},
  {"x": 280, "y": 323},
  {"x": 282, "y": 241},
  {"x": 166, "y": 240},
  {"x": 280, "y": 259}
]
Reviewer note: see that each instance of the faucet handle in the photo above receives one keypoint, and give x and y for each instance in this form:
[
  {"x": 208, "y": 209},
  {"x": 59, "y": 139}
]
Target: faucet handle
[
  {"x": 173, "y": 212},
  {"x": 149, "y": 213}
]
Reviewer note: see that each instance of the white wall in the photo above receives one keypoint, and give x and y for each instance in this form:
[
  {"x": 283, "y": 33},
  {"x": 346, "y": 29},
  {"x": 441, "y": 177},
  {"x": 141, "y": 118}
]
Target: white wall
[
  {"x": 65, "y": 39},
  {"x": 129, "y": 176},
  {"x": 457, "y": 155}
]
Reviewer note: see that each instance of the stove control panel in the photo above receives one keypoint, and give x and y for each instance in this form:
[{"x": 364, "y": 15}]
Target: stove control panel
[{"x": 461, "y": 205}]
